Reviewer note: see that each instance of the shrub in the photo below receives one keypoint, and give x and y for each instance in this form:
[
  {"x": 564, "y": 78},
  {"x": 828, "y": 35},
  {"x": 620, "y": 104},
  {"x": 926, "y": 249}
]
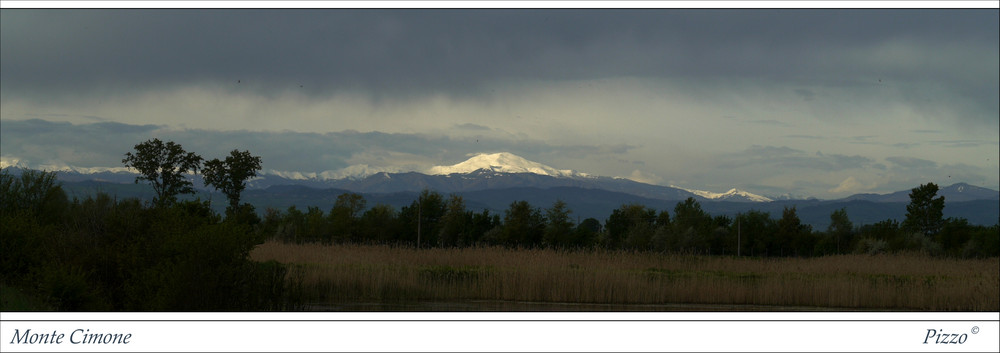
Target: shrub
[{"x": 871, "y": 246}]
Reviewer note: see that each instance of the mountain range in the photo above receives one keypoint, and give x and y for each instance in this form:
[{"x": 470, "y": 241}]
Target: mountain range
[{"x": 493, "y": 181}]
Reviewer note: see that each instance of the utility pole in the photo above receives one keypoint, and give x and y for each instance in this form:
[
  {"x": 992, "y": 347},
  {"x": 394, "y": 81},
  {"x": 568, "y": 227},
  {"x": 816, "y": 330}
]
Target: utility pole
[
  {"x": 739, "y": 237},
  {"x": 419, "y": 209}
]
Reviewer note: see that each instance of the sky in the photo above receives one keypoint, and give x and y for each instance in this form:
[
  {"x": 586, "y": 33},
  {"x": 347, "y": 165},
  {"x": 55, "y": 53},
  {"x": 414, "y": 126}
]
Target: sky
[{"x": 809, "y": 102}]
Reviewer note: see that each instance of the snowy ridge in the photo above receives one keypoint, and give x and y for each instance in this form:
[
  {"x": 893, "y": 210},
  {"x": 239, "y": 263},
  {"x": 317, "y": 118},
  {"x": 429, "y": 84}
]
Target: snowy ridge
[
  {"x": 353, "y": 172},
  {"x": 17, "y": 163},
  {"x": 728, "y": 195},
  {"x": 502, "y": 162}
]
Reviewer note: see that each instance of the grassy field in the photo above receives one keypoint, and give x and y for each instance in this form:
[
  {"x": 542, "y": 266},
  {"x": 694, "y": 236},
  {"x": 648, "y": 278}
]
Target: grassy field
[{"x": 332, "y": 274}]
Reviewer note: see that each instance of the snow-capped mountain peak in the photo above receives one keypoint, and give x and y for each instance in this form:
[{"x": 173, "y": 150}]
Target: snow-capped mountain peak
[
  {"x": 502, "y": 162},
  {"x": 731, "y": 195}
]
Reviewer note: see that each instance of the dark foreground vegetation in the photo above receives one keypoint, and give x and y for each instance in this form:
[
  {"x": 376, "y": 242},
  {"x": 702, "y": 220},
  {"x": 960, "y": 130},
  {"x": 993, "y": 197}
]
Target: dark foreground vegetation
[
  {"x": 103, "y": 253},
  {"x": 109, "y": 254}
]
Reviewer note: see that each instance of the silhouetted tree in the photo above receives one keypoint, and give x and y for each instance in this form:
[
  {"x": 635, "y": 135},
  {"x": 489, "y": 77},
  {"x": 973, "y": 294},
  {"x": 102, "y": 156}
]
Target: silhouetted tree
[
  {"x": 523, "y": 225},
  {"x": 719, "y": 237},
  {"x": 841, "y": 230},
  {"x": 316, "y": 226},
  {"x": 36, "y": 193},
  {"x": 689, "y": 217},
  {"x": 345, "y": 217},
  {"x": 422, "y": 218},
  {"x": 792, "y": 236},
  {"x": 379, "y": 224},
  {"x": 482, "y": 223},
  {"x": 231, "y": 174},
  {"x": 163, "y": 165},
  {"x": 924, "y": 213},
  {"x": 757, "y": 230},
  {"x": 586, "y": 232},
  {"x": 954, "y": 233},
  {"x": 983, "y": 242},
  {"x": 631, "y": 226},
  {"x": 691, "y": 226},
  {"x": 559, "y": 231},
  {"x": 453, "y": 222}
]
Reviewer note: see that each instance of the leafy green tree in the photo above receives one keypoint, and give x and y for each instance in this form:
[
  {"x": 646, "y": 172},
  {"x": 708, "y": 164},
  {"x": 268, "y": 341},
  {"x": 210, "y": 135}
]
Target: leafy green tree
[
  {"x": 756, "y": 233},
  {"x": 523, "y": 225},
  {"x": 691, "y": 226},
  {"x": 292, "y": 226},
  {"x": 317, "y": 226},
  {"x": 663, "y": 220},
  {"x": 586, "y": 232},
  {"x": 689, "y": 217},
  {"x": 421, "y": 219},
  {"x": 983, "y": 242},
  {"x": 793, "y": 237},
  {"x": 955, "y": 232},
  {"x": 454, "y": 222},
  {"x": 345, "y": 217},
  {"x": 720, "y": 240},
  {"x": 379, "y": 223},
  {"x": 630, "y": 225},
  {"x": 231, "y": 174},
  {"x": 663, "y": 234},
  {"x": 480, "y": 224},
  {"x": 559, "y": 231},
  {"x": 33, "y": 193},
  {"x": 163, "y": 165},
  {"x": 841, "y": 230},
  {"x": 924, "y": 214}
]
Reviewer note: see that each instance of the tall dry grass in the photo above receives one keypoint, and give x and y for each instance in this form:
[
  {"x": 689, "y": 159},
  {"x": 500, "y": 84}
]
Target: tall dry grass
[{"x": 351, "y": 273}]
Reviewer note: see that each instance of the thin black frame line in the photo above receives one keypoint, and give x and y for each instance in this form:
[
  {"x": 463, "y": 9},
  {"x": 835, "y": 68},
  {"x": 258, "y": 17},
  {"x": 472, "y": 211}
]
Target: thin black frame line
[{"x": 511, "y": 320}]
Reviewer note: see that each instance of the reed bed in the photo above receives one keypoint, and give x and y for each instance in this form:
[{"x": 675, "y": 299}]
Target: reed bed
[{"x": 373, "y": 273}]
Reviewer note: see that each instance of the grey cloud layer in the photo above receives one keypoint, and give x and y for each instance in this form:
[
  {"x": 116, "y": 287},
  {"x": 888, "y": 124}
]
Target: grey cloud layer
[
  {"x": 784, "y": 157},
  {"x": 43, "y": 142},
  {"x": 461, "y": 52},
  {"x": 39, "y": 142}
]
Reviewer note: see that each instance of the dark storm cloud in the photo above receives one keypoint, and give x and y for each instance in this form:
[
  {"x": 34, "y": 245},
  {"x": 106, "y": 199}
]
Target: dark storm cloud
[
  {"x": 62, "y": 116},
  {"x": 28, "y": 129},
  {"x": 462, "y": 52}
]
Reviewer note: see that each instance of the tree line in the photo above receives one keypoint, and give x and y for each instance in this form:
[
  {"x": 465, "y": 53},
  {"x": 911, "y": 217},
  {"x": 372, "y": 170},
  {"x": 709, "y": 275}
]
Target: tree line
[{"x": 434, "y": 220}]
